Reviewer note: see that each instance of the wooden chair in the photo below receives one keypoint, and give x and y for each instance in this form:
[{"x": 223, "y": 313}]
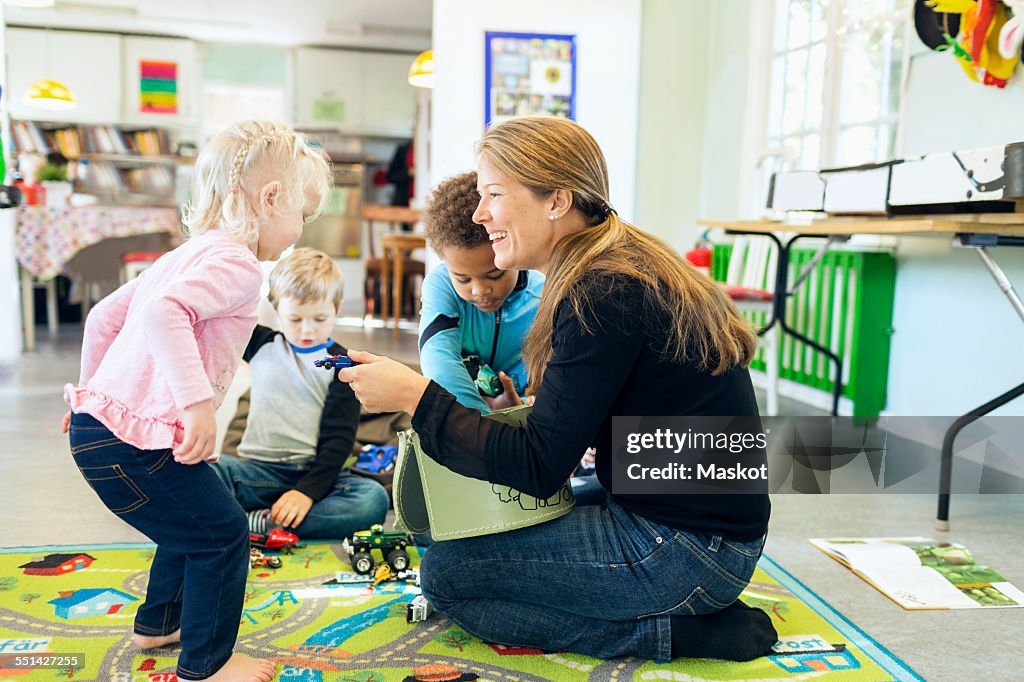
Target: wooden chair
[{"x": 376, "y": 290}]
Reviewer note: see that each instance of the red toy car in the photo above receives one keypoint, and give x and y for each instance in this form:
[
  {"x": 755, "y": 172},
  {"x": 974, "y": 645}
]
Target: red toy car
[{"x": 275, "y": 539}]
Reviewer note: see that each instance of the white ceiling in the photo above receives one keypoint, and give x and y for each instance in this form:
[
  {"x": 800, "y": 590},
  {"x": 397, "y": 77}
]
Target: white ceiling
[{"x": 391, "y": 24}]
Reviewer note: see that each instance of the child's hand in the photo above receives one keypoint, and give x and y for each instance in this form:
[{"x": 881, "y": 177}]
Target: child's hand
[
  {"x": 382, "y": 384},
  {"x": 508, "y": 396},
  {"x": 200, "y": 433},
  {"x": 291, "y": 508},
  {"x": 65, "y": 423}
]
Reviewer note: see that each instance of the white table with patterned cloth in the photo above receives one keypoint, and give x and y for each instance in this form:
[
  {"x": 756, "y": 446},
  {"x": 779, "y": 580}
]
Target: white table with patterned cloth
[{"x": 47, "y": 238}]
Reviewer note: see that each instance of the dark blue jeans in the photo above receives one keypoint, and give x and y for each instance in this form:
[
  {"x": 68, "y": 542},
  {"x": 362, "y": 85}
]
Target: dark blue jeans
[
  {"x": 354, "y": 503},
  {"x": 599, "y": 581},
  {"x": 197, "y": 580}
]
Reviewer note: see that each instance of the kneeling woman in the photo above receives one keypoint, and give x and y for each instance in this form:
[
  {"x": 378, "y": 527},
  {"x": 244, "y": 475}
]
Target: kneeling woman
[{"x": 624, "y": 327}]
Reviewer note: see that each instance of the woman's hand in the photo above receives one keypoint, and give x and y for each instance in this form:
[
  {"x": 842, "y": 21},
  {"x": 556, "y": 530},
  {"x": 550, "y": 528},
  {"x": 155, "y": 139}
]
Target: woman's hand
[
  {"x": 200, "y": 433},
  {"x": 382, "y": 384},
  {"x": 507, "y": 398},
  {"x": 291, "y": 508}
]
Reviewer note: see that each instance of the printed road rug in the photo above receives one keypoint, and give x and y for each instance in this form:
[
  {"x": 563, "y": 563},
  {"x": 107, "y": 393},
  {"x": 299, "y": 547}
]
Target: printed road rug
[{"x": 320, "y": 627}]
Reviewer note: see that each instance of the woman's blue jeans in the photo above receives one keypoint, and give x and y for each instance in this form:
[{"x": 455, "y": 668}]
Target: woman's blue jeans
[
  {"x": 197, "y": 579},
  {"x": 354, "y": 503},
  {"x": 599, "y": 581}
]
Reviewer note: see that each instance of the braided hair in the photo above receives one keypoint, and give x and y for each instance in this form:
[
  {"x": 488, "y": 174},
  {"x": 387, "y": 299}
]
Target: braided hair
[{"x": 237, "y": 162}]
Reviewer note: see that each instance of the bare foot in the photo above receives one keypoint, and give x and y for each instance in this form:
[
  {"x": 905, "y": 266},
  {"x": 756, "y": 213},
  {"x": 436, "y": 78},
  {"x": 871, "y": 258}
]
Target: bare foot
[
  {"x": 242, "y": 668},
  {"x": 147, "y": 642}
]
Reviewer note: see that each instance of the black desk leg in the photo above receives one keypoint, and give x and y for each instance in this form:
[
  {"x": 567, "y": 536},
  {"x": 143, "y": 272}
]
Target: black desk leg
[
  {"x": 946, "y": 469},
  {"x": 979, "y": 242},
  {"x": 779, "y": 297},
  {"x": 837, "y": 385}
]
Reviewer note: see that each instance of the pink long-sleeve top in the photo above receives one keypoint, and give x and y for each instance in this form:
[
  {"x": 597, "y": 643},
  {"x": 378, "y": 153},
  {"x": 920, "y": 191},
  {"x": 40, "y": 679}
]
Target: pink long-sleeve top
[{"x": 168, "y": 339}]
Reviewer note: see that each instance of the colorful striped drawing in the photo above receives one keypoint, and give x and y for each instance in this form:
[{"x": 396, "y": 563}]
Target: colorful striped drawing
[{"x": 158, "y": 87}]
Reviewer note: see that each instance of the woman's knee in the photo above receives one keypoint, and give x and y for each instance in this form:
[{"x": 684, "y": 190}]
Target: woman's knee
[{"x": 436, "y": 562}]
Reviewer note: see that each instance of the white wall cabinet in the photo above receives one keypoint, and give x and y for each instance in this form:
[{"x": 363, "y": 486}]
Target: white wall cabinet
[
  {"x": 88, "y": 63},
  {"x": 357, "y": 92},
  {"x": 389, "y": 102},
  {"x": 329, "y": 84}
]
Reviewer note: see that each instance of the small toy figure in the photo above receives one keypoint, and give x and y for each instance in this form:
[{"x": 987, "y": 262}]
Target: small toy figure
[
  {"x": 489, "y": 384},
  {"x": 258, "y": 560},
  {"x": 277, "y": 538},
  {"x": 332, "y": 361},
  {"x": 381, "y": 574},
  {"x": 391, "y": 545},
  {"x": 419, "y": 609}
]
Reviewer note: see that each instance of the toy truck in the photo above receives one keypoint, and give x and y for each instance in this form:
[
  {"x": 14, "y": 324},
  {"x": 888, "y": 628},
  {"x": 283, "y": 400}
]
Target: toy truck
[{"x": 391, "y": 545}]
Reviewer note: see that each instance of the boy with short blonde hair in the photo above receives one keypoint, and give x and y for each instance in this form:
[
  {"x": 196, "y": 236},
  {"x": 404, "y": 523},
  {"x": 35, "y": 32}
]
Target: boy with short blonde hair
[{"x": 302, "y": 420}]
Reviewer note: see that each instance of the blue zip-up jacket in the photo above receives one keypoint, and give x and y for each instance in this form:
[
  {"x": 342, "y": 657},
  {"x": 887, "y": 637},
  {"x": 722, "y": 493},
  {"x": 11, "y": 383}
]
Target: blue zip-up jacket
[{"x": 452, "y": 328}]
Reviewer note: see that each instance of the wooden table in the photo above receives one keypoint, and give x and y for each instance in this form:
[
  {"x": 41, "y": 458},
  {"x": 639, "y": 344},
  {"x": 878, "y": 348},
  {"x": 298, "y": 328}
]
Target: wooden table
[
  {"x": 47, "y": 238},
  {"x": 977, "y": 231},
  {"x": 395, "y": 246}
]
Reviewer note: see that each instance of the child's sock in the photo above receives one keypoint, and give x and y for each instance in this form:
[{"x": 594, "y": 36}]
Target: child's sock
[
  {"x": 259, "y": 520},
  {"x": 736, "y": 633}
]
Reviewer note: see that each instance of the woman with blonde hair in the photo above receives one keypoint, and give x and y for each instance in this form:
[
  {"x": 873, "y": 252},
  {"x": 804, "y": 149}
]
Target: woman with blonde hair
[{"x": 625, "y": 328}]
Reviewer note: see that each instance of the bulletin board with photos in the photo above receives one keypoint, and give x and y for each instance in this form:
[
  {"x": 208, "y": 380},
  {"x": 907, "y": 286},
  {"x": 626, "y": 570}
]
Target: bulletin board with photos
[{"x": 529, "y": 74}]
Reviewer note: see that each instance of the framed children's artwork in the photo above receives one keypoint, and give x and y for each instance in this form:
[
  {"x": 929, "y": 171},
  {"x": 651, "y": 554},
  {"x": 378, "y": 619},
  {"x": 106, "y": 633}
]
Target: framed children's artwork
[{"x": 529, "y": 74}]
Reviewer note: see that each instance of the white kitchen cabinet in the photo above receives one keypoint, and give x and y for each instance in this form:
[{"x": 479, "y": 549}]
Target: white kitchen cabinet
[
  {"x": 356, "y": 92},
  {"x": 389, "y": 102},
  {"x": 330, "y": 88}
]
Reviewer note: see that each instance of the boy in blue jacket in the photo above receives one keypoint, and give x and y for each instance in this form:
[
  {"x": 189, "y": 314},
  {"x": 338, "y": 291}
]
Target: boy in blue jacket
[{"x": 473, "y": 313}]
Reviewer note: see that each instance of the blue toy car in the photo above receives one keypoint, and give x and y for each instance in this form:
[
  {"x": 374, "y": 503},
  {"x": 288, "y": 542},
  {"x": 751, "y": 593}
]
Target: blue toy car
[
  {"x": 376, "y": 459},
  {"x": 332, "y": 361}
]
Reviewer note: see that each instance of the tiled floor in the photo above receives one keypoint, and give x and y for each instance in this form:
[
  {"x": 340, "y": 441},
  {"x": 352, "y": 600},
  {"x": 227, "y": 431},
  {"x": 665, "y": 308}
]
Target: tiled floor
[{"x": 43, "y": 500}]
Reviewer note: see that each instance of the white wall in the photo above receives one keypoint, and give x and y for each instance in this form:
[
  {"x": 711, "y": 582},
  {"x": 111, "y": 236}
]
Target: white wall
[
  {"x": 957, "y": 342},
  {"x": 608, "y": 45},
  {"x": 695, "y": 94},
  {"x": 673, "y": 93},
  {"x": 10, "y": 299}
]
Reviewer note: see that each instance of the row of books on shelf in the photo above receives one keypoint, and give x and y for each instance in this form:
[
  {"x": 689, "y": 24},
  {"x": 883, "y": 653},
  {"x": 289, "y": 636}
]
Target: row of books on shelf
[
  {"x": 74, "y": 141},
  {"x": 102, "y": 176}
]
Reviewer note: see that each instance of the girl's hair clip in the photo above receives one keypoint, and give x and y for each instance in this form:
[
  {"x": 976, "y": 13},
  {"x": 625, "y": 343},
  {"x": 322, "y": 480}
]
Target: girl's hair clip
[{"x": 234, "y": 189}]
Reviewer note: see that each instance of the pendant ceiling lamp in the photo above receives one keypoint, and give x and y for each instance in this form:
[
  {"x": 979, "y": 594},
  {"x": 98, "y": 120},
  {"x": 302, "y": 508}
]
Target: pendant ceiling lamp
[
  {"x": 421, "y": 73},
  {"x": 49, "y": 94}
]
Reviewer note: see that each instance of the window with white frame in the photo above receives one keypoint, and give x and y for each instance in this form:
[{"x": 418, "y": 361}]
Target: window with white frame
[{"x": 835, "y": 80}]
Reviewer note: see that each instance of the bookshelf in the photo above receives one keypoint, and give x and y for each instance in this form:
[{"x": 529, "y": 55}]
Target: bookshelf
[{"x": 121, "y": 165}]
